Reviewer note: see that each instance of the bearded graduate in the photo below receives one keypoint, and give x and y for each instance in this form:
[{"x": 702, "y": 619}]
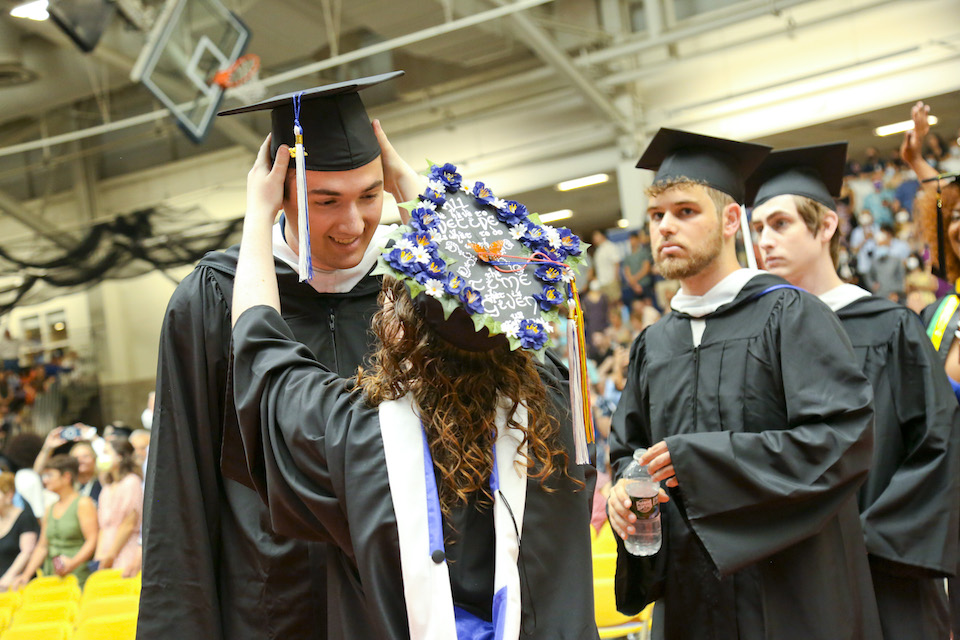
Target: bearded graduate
[{"x": 426, "y": 472}]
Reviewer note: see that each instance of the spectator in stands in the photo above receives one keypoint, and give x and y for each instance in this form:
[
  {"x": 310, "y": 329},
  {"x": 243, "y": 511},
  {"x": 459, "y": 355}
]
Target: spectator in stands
[
  {"x": 19, "y": 530},
  {"x": 116, "y": 432},
  {"x": 119, "y": 511},
  {"x": 68, "y": 533},
  {"x": 146, "y": 418},
  {"x": 21, "y": 452},
  {"x": 140, "y": 440},
  {"x": 596, "y": 309},
  {"x": 606, "y": 265},
  {"x": 887, "y": 270},
  {"x": 880, "y": 200},
  {"x": 636, "y": 268},
  {"x": 88, "y": 484},
  {"x": 642, "y": 315},
  {"x": 10, "y": 352}
]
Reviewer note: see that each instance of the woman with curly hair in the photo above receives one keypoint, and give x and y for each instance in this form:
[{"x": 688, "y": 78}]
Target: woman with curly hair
[{"x": 425, "y": 473}]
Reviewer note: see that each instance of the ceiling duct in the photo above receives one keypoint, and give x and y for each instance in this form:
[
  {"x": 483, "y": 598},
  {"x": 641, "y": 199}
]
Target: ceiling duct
[{"x": 12, "y": 70}]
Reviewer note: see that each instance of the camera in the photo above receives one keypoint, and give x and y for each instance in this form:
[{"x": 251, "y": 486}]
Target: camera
[{"x": 71, "y": 433}]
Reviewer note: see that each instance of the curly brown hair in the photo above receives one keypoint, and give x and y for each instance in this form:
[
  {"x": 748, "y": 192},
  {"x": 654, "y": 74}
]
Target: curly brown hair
[
  {"x": 925, "y": 213},
  {"x": 458, "y": 393}
]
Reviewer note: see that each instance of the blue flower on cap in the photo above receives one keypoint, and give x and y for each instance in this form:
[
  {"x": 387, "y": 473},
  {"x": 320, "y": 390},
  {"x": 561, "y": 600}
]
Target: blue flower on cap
[
  {"x": 535, "y": 238},
  {"x": 454, "y": 284},
  {"x": 471, "y": 300},
  {"x": 425, "y": 240},
  {"x": 549, "y": 273},
  {"x": 482, "y": 193},
  {"x": 548, "y": 298},
  {"x": 424, "y": 219},
  {"x": 431, "y": 194},
  {"x": 569, "y": 242},
  {"x": 532, "y": 334},
  {"x": 435, "y": 268},
  {"x": 447, "y": 174},
  {"x": 403, "y": 261},
  {"x": 512, "y": 212}
]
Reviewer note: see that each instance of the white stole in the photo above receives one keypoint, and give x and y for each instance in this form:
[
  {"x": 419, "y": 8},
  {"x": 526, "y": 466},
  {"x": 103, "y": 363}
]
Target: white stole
[{"x": 426, "y": 584}]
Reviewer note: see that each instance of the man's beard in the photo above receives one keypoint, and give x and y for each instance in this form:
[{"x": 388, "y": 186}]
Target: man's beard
[{"x": 697, "y": 258}]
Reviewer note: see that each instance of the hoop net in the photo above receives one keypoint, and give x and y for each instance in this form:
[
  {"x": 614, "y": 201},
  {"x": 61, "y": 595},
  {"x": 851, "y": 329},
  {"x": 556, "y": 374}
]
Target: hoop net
[{"x": 242, "y": 79}]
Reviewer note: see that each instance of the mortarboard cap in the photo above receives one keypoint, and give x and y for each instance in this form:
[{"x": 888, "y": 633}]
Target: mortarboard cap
[
  {"x": 717, "y": 162},
  {"x": 812, "y": 172},
  {"x": 337, "y": 134}
]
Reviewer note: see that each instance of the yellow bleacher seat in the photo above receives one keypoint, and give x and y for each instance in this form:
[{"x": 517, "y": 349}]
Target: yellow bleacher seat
[
  {"x": 44, "y": 631},
  {"x": 52, "y": 593},
  {"x": 605, "y": 541},
  {"x": 108, "y": 606},
  {"x": 5, "y": 614},
  {"x": 103, "y": 575},
  {"x": 11, "y": 599},
  {"x": 118, "y": 627},
  {"x": 110, "y": 588},
  {"x": 60, "y": 611},
  {"x": 44, "y": 582}
]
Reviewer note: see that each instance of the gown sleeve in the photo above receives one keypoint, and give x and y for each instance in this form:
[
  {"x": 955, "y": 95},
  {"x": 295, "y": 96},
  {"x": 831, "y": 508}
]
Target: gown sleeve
[
  {"x": 293, "y": 416},
  {"x": 181, "y": 518},
  {"x": 912, "y": 526},
  {"x": 749, "y": 494}
]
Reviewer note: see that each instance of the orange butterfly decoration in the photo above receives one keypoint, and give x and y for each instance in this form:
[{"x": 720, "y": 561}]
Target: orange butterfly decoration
[{"x": 488, "y": 252}]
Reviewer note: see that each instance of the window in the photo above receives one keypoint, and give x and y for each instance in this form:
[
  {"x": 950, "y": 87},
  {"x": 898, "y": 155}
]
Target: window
[{"x": 31, "y": 328}]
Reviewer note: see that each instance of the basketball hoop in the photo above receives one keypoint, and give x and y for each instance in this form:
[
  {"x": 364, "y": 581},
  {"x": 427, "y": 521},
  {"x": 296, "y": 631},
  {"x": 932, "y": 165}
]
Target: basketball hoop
[{"x": 242, "y": 79}]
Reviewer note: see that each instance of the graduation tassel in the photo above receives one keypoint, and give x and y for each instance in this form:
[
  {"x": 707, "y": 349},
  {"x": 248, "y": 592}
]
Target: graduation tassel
[
  {"x": 305, "y": 262},
  {"x": 579, "y": 380},
  {"x": 747, "y": 238}
]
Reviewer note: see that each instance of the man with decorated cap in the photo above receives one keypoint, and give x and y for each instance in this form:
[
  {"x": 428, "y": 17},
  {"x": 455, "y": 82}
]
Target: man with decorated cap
[
  {"x": 756, "y": 418},
  {"x": 213, "y": 566},
  {"x": 910, "y": 503},
  {"x": 424, "y": 473}
]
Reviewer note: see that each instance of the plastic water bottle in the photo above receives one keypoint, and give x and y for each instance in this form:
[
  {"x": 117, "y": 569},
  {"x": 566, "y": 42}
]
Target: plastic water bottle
[{"x": 645, "y": 504}]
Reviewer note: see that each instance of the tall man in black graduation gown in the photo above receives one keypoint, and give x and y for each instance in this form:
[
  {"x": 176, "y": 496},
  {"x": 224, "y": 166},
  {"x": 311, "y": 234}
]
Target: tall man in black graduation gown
[
  {"x": 910, "y": 503},
  {"x": 212, "y": 568},
  {"x": 757, "y": 420}
]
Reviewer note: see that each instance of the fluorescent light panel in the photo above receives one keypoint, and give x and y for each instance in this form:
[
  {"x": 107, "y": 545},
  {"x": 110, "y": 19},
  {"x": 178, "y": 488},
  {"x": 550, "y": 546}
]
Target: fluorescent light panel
[
  {"x": 587, "y": 181},
  {"x": 623, "y": 223},
  {"x": 553, "y": 216},
  {"x": 900, "y": 127},
  {"x": 36, "y": 10}
]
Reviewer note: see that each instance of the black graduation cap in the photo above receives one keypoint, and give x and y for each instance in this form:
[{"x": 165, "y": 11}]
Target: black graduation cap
[
  {"x": 814, "y": 172},
  {"x": 337, "y": 135},
  {"x": 717, "y": 162}
]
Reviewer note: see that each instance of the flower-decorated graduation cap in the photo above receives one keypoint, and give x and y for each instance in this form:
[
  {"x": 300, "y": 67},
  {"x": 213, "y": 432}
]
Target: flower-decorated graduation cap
[
  {"x": 326, "y": 129},
  {"x": 485, "y": 272},
  {"x": 814, "y": 172}
]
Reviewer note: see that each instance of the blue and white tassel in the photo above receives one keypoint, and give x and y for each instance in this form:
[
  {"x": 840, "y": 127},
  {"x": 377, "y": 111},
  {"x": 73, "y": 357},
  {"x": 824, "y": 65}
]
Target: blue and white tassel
[{"x": 305, "y": 262}]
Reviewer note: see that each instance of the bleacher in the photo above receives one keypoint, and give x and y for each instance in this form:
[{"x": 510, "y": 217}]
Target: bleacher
[
  {"x": 55, "y": 608},
  {"x": 610, "y": 622}
]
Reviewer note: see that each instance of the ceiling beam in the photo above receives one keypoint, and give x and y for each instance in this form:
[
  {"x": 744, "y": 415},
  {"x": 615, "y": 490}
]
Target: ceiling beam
[
  {"x": 534, "y": 37},
  {"x": 33, "y": 221}
]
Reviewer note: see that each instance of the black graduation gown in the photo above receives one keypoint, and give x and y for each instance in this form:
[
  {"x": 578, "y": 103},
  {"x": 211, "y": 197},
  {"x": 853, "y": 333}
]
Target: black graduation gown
[
  {"x": 212, "y": 567},
  {"x": 769, "y": 426},
  {"x": 928, "y": 317},
  {"x": 910, "y": 503},
  {"x": 315, "y": 454}
]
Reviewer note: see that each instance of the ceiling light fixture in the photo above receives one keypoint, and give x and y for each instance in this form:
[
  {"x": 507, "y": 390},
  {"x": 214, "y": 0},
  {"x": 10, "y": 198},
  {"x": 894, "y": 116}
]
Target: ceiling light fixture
[
  {"x": 553, "y": 216},
  {"x": 623, "y": 223},
  {"x": 36, "y": 10},
  {"x": 588, "y": 181},
  {"x": 900, "y": 127}
]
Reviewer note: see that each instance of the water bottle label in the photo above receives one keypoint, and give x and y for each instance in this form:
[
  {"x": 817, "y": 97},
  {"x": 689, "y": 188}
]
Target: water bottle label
[{"x": 646, "y": 508}]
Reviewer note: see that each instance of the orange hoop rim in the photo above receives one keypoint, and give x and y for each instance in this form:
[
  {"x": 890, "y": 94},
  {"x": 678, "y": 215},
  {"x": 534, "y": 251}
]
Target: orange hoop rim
[{"x": 225, "y": 78}]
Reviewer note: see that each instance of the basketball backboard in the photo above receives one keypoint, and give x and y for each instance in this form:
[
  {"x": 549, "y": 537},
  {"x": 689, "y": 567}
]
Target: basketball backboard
[{"x": 190, "y": 42}]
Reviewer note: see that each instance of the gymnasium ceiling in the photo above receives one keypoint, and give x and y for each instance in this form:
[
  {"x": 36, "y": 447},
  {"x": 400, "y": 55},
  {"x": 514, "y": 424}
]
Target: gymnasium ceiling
[{"x": 549, "y": 90}]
